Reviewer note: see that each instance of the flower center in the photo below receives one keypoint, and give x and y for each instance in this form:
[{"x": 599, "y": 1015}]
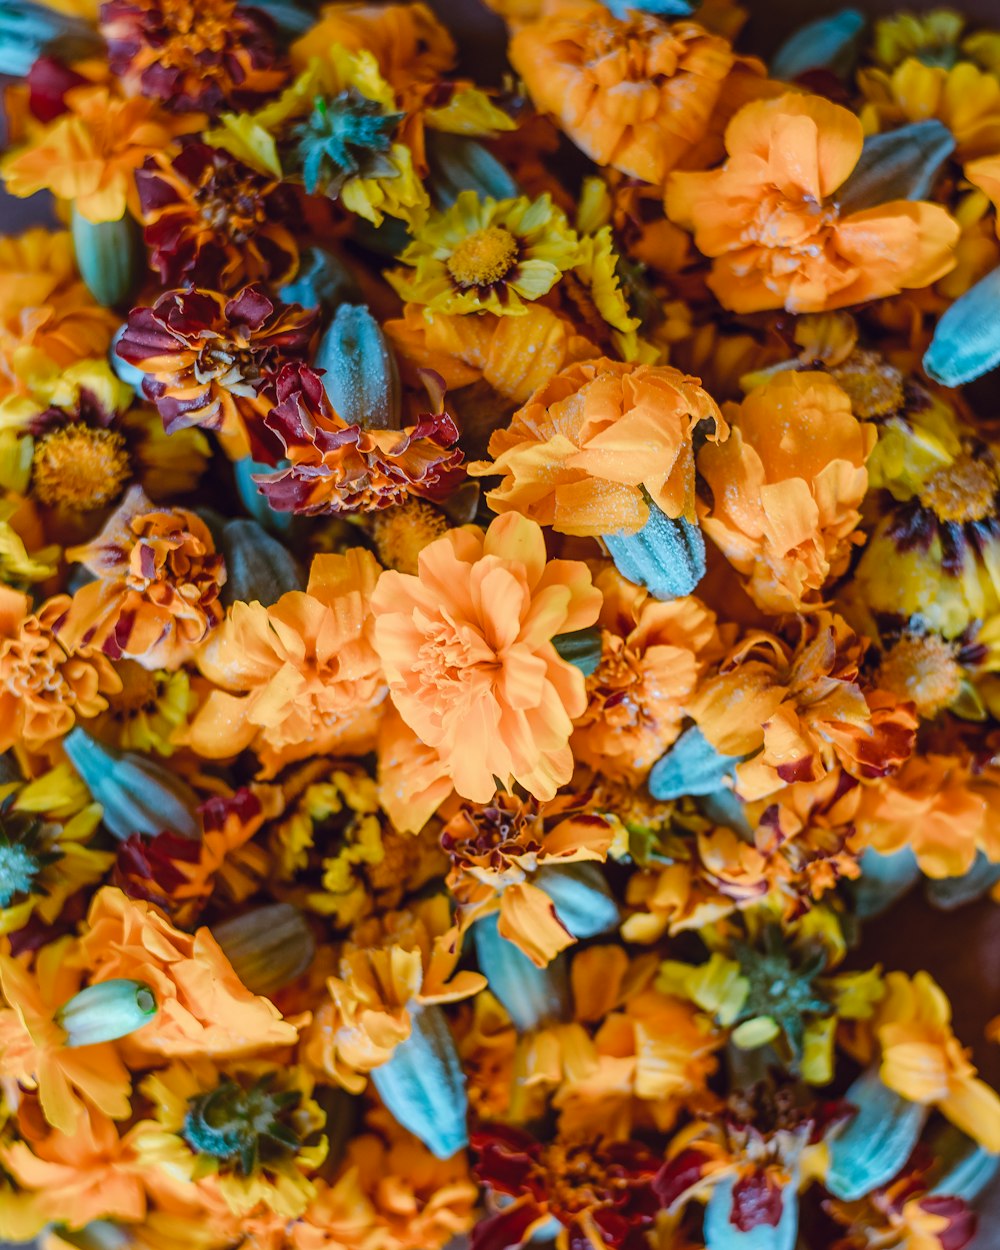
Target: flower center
[
  {"x": 343, "y": 136},
  {"x": 874, "y": 386},
  {"x": 193, "y": 30},
  {"x": 242, "y": 1127},
  {"x": 79, "y": 467},
  {"x": 964, "y": 491},
  {"x": 139, "y": 691},
  {"x": 403, "y": 531},
  {"x": 924, "y": 670},
  {"x": 18, "y": 870},
  {"x": 484, "y": 258}
]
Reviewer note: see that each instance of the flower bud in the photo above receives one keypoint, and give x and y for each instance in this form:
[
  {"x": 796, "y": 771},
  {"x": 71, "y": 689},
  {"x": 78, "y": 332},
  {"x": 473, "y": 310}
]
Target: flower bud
[
  {"x": 872, "y": 1146},
  {"x": 883, "y": 880},
  {"x": 268, "y": 947},
  {"x": 966, "y": 342},
  {"x": 948, "y": 893},
  {"x": 582, "y": 900},
  {"x": 667, "y": 555},
  {"x": 360, "y": 375},
  {"x": 322, "y": 280},
  {"x": 692, "y": 766},
  {"x": 258, "y": 567},
  {"x": 829, "y": 43},
  {"x": 458, "y": 163},
  {"x": 137, "y": 795},
  {"x": 581, "y": 648},
  {"x": 901, "y": 164},
  {"x": 108, "y": 257},
  {"x": 106, "y": 1011},
  {"x": 245, "y": 473},
  {"x": 423, "y": 1085},
  {"x": 29, "y": 30},
  {"x": 532, "y": 996}
]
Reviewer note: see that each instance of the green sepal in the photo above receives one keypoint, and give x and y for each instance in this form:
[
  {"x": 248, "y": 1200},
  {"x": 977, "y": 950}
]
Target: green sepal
[
  {"x": 323, "y": 280},
  {"x": 109, "y": 257},
  {"x": 244, "y": 472},
  {"x": 581, "y": 648},
  {"x": 692, "y": 766},
  {"x": 667, "y": 555},
  {"x": 359, "y": 370},
  {"x": 949, "y": 893},
  {"x": 532, "y": 996},
  {"x": 966, "y": 342},
  {"x": 106, "y": 1011},
  {"x": 874, "y": 1144},
  {"x": 884, "y": 879},
  {"x": 29, "y": 30},
  {"x": 583, "y": 902},
  {"x": 458, "y": 163}
]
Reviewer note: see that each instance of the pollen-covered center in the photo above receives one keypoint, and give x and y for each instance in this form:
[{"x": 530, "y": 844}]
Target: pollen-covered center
[
  {"x": 484, "y": 258},
  {"x": 874, "y": 386},
  {"x": 924, "y": 670},
  {"x": 964, "y": 491},
  {"x": 79, "y": 467}
]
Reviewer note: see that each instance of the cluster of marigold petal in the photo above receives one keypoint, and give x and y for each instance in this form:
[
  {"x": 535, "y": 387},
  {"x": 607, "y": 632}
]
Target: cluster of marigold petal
[{"x": 483, "y": 888}]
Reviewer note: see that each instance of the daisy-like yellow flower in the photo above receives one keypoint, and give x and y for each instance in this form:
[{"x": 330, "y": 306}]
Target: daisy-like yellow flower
[
  {"x": 250, "y": 1135},
  {"x": 152, "y": 705},
  {"x": 486, "y": 255}
]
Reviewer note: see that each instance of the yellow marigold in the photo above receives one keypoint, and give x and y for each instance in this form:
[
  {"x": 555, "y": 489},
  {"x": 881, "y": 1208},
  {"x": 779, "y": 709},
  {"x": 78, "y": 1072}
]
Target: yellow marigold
[
  {"x": 203, "y": 1009},
  {"x": 44, "y": 687},
  {"x": 636, "y": 93},
  {"x": 595, "y": 442},
  {"x": 155, "y": 593},
  {"x": 390, "y": 1193},
  {"x": 466, "y": 646},
  {"x": 787, "y": 487},
  {"x": 924, "y": 1062},
  {"x": 395, "y": 964},
  {"x": 769, "y": 218},
  {"x": 652, "y": 655},
  {"x": 930, "y": 37},
  {"x": 486, "y": 255},
  {"x": 89, "y": 154},
  {"x": 298, "y": 678}
]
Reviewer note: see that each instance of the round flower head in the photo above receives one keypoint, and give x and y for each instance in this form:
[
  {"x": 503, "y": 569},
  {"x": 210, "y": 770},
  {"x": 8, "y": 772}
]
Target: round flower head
[
  {"x": 593, "y": 444},
  {"x": 485, "y": 255},
  {"x": 466, "y": 646},
  {"x": 634, "y": 92},
  {"x": 771, "y": 223}
]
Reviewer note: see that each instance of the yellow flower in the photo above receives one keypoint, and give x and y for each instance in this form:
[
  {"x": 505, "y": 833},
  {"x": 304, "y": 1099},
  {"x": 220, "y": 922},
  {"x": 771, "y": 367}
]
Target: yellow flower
[
  {"x": 152, "y": 705},
  {"x": 17, "y": 521},
  {"x": 486, "y": 255},
  {"x": 930, "y": 37},
  {"x": 923, "y": 1061}
]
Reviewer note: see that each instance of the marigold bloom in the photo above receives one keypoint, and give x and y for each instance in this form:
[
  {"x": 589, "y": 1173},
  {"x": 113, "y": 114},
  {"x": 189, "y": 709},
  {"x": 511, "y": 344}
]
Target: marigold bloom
[
  {"x": 148, "y": 710},
  {"x": 298, "y": 678},
  {"x": 467, "y": 650},
  {"x": 43, "y": 686},
  {"x": 496, "y": 848},
  {"x": 786, "y": 488},
  {"x": 395, "y": 964},
  {"x": 652, "y": 655},
  {"x": 210, "y": 361},
  {"x": 592, "y": 444},
  {"x": 156, "y": 590},
  {"x": 636, "y": 93},
  {"x": 89, "y": 154},
  {"x": 923, "y": 1061},
  {"x": 339, "y": 467},
  {"x": 798, "y": 707},
  {"x": 486, "y": 255},
  {"x": 192, "y": 54},
  {"x": 213, "y": 222},
  {"x": 32, "y": 1043},
  {"x": 202, "y": 1007},
  {"x": 775, "y": 234}
]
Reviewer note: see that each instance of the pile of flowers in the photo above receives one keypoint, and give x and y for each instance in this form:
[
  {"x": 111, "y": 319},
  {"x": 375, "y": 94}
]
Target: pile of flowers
[{"x": 498, "y": 584}]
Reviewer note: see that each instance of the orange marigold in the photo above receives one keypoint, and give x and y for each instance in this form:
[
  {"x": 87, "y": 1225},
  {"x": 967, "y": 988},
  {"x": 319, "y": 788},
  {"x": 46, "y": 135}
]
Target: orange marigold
[
  {"x": 155, "y": 596},
  {"x": 594, "y": 444},
  {"x": 796, "y": 705},
  {"x": 636, "y": 93},
  {"x": 467, "y": 650},
  {"x": 775, "y": 232},
  {"x": 786, "y": 488},
  {"x": 652, "y": 656},
  {"x": 44, "y": 687},
  {"x": 203, "y": 1009},
  {"x": 298, "y": 678}
]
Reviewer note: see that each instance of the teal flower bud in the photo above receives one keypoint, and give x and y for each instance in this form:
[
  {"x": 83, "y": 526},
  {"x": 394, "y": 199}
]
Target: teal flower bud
[
  {"x": 138, "y": 795},
  {"x": 872, "y": 1146},
  {"x": 423, "y": 1085},
  {"x": 581, "y": 896},
  {"x": 244, "y": 473},
  {"x": 582, "y": 648},
  {"x": 901, "y": 164},
  {"x": 258, "y": 567},
  {"x": 884, "y": 879},
  {"x": 360, "y": 375},
  {"x": 458, "y": 163},
  {"x": 667, "y": 555},
  {"x": 268, "y": 947},
  {"x": 105, "y": 1012},
  {"x": 532, "y": 996},
  {"x": 966, "y": 342},
  {"x": 322, "y": 280},
  {"x": 691, "y": 766},
  {"x": 109, "y": 257},
  {"x": 27, "y": 30},
  {"x": 826, "y": 43},
  {"x": 949, "y": 893},
  {"x": 123, "y": 371},
  {"x": 965, "y": 1168}
]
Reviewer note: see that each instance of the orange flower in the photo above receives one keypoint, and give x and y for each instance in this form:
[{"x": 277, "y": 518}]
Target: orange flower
[
  {"x": 156, "y": 590},
  {"x": 467, "y": 650},
  {"x": 786, "y": 488},
  {"x": 203, "y": 1007},
  {"x": 638, "y": 94},
  {"x": 775, "y": 233},
  {"x": 89, "y": 1173},
  {"x": 299, "y": 678},
  {"x": 413, "y": 780},
  {"x": 798, "y": 708},
  {"x": 32, "y": 1043},
  {"x": 44, "y": 687},
  {"x": 652, "y": 655},
  {"x": 496, "y": 848},
  {"x": 89, "y": 154},
  {"x": 395, "y": 964},
  {"x": 583, "y": 450}
]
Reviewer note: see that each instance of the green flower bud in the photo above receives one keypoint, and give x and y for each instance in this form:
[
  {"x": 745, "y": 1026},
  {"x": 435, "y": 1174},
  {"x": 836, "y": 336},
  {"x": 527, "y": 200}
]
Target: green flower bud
[
  {"x": 359, "y": 370},
  {"x": 106, "y": 1011},
  {"x": 872, "y": 1146},
  {"x": 582, "y": 648},
  {"x": 258, "y": 567},
  {"x": 901, "y": 164},
  {"x": 667, "y": 555},
  {"x": 458, "y": 163},
  {"x": 966, "y": 342},
  {"x": 108, "y": 256},
  {"x": 826, "y": 43},
  {"x": 532, "y": 996},
  {"x": 268, "y": 947}
]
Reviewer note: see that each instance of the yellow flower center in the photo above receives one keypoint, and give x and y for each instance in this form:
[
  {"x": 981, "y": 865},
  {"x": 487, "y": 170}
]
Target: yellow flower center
[
  {"x": 924, "y": 670},
  {"x": 964, "y": 491},
  {"x": 78, "y": 467},
  {"x": 484, "y": 258},
  {"x": 403, "y": 531},
  {"x": 874, "y": 386},
  {"x": 139, "y": 692}
]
